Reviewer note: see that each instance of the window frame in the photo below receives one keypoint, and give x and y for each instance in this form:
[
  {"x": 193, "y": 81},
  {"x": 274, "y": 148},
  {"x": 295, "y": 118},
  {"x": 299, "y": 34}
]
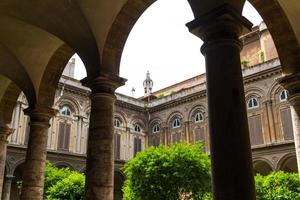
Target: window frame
[
  {"x": 176, "y": 123},
  {"x": 201, "y": 117},
  {"x": 252, "y": 100},
  {"x": 285, "y": 92}
]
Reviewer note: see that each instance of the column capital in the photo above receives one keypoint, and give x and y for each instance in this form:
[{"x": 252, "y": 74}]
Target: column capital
[
  {"x": 221, "y": 23},
  {"x": 103, "y": 83},
  {"x": 40, "y": 113},
  {"x": 5, "y": 131},
  {"x": 292, "y": 84}
]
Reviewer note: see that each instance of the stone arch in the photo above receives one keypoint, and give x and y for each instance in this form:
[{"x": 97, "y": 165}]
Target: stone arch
[
  {"x": 173, "y": 115},
  {"x": 262, "y": 166},
  {"x": 255, "y": 92},
  {"x": 155, "y": 120},
  {"x": 288, "y": 163},
  {"x": 63, "y": 164},
  {"x": 10, "y": 92},
  {"x": 9, "y": 65},
  {"x": 69, "y": 101},
  {"x": 274, "y": 91},
  {"x": 135, "y": 120},
  {"x": 121, "y": 116},
  {"x": 52, "y": 74},
  {"x": 195, "y": 109},
  {"x": 282, "y": 33}
]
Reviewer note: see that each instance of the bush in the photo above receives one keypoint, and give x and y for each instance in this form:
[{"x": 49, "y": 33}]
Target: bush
[
  {"x": 181, "y": 171},
  {"x": 71, "y": 188},
  {"x": 278, "y": 186}
]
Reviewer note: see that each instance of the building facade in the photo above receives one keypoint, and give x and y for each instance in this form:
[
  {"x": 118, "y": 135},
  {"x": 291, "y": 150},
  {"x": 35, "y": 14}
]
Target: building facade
[{"x": 178, "y": 113}]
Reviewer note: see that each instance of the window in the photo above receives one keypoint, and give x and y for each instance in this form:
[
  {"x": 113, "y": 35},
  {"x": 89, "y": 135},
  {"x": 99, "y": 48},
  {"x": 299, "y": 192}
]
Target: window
[
  {"x": 198, "y": 117},
  {"x": 137, "y": 145},
  {"x": 117, "y": 146},
  {"x": 137, "y": 128},
  {"x": 283, "y": 95},
  {"x": 252, "y": 103},
  {"x": 64, "y": 136},
  {"x": 65, "y": 110},
  {"x": 117, "y": 123},
  {"x": 156, "y": 128},
  {"x": 176, "y": 123}
]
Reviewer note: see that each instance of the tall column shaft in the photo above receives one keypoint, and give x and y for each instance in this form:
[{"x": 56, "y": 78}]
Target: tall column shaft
[
  {"x": 232, "y": 174},
  {"x": 100, "y": 150},
  {"x": 292, "y": 84},
  {"x": 16, "y": 123},
  {"x": 78, "y": 136},
  {"x": 35, "y": 162},
  {"x": 7, "y": 187},
  {"x": 271, "y": 121},
  {"x": 4, "y": 133}
]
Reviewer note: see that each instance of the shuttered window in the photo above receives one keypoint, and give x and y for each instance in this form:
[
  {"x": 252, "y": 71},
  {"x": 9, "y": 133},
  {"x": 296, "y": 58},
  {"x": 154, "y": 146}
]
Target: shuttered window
[
  {"x": 64, "y": 136},
  {"x": 155, "y": 140},
  {"x": 176, "y": 137},
  {"x": 255, "y": 130},
  {"x": 137, "y": 145},
  {"x": 287, "y": 126},
  {"x": 117, "y": 146},
  {"x": 199, "y": 135}
]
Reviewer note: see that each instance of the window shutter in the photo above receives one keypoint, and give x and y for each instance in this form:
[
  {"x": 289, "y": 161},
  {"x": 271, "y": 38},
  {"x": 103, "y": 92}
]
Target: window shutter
[
  {"x": 255, "y": 130},
  {"x": 199, "y": 135},
  {"x": 287, "y": 126},
  {"x": 117, "y": 146},
  {"x": 67, "y": 136},
  {"x": 60, "y": 143},
  {"x": 139, "y": 144},
  {"x": 135, "y": 146}
]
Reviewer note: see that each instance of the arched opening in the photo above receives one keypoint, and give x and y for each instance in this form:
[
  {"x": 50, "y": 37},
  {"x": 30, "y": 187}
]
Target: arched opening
[
  {"x": 118, "y": 184},
  {"x": 289, "y": 164},
  {"x": 262, "y": 167},
  {"x": 15, "y": 186}
]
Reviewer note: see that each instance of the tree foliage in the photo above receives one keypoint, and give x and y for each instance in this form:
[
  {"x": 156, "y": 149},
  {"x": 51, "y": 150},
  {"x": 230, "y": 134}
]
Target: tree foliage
[
  {"x": 278, "y": 186},
  {"x": 63, "y": 183},
  {"x": 181, "y": 171}
]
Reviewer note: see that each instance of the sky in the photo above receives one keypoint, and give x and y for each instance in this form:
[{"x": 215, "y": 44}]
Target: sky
[{"x": 161, "y": 44}]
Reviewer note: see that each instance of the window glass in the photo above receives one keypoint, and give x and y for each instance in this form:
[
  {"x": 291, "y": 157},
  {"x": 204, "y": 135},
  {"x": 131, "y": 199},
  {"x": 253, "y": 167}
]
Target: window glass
[
  {"x": 283, "y": 95},
  {"x": 252, "y": 103},
  {"x": 198, "y": 117},
  {"x": 156, "y": 128},
  {"x": 137, "y": 128},
  {"x": 117, "y": 123},
  {"x": 176, "y": 123},
  {"x": 65, "y": 110}
]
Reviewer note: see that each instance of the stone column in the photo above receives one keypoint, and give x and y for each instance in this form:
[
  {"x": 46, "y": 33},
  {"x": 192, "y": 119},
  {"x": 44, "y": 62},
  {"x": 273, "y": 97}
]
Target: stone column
[
  {"x": 6, "y": 187},
  {"x": 100, "y": 149},
  {"x": 232, "y": 174},
  {"x": 5, "y": 131},
  {"x": 270, "y": 118},
  {"x": 292, "y": 84},
  {"x": 35, "y": 162}
]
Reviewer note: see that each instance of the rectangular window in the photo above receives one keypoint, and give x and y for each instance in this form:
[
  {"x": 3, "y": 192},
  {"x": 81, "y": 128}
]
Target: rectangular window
[
  {"x": 287, "y": 126},
  {"x": 27, "y": 130},
  {"x": 199, "y": 135},
  {"x": 137, "y": 145},
  {"x": 117, "y": 146},
  {"x": 255, "y": 130},
  {"x": 64, "y": 136}
]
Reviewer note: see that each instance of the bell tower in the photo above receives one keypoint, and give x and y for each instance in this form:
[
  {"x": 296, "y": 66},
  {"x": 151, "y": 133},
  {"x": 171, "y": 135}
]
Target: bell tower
[{"x": 148, "y": 85}]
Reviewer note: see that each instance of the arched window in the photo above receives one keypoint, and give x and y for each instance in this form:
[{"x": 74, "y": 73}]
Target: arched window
[
  {"x": 66, "y": 111},
  {"x": 283, "y": 95},
  {"x": 252, "y": 103},
  {"x": 137, "y": 128},
  {"x": 117, "y": 123},
  {"x": 176, "y": 123},
  {"x": 156, "y": 128},
  {"x": 198, "y": 117}
]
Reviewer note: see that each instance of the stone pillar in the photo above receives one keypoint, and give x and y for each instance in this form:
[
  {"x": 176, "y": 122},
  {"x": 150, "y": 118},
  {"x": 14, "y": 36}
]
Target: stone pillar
[
  {"x": 35, "y": 162},
  {"x": 270, "y": 118},
  {"x": 78, "y": 135},
  {"x": 292, "y": 84},
  {"x": 100, "y": 149},
  {"x": 4, "y": 133},
  {"x": 232, "y": 174},
  {"x": 6, "y": 187}
]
